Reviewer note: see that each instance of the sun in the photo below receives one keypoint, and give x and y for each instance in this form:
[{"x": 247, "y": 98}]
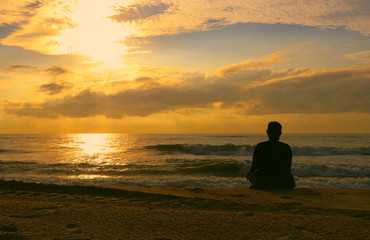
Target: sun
[{"x": 95, "y": 34}]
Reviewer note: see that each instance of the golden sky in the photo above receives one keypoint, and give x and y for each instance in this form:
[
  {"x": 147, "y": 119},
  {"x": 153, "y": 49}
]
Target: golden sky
[{"x": 184, "y": 66}]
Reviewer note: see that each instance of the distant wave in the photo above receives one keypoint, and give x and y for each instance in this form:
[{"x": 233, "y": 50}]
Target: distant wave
[
  {"x": 205, "y": 149},
  {"x": 247, "y": 150},
  {"x": 335, "y": 170},
  {"x": 6, "y": 151},
  {"x": 327, "y": 151},
  {"x": 15, "y": 151}
]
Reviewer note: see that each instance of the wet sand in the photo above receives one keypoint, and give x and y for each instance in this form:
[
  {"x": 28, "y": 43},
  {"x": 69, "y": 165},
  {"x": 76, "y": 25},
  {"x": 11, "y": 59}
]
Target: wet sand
[{"x": 39, "y": 211}]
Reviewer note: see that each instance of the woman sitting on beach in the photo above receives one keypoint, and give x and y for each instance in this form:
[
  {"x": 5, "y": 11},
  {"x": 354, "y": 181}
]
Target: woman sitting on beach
[{"x": 272, "y": 162}]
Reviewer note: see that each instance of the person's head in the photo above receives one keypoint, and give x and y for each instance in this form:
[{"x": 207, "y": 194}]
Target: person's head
[{"x": 274, "y": 131}]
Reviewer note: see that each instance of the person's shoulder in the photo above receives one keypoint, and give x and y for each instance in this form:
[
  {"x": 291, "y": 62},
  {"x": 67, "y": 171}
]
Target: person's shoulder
[
  {"x": 285, "y": 145},
  {"x": 262, "y": 143}
]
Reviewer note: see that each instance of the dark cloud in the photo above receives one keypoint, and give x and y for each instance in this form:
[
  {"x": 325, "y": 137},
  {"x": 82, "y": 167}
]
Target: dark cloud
[
  {"x": 215, "y": 23},
  {"x": 30, "y": 8},
  {"x": 56, "y": 70},
  {"x": 306, "y": 92},
  {"x": 230, "y": 9},
  {"x": 138, "y": 11},
  {"x": 52, "y": 71},
  {"x": 53, "y": 88},
  {"x": 322, "y": 92},
  {"x": 7, "y": 29},
  {"x": 21, "y": 67},
  {"x": 34, "y": 5}
]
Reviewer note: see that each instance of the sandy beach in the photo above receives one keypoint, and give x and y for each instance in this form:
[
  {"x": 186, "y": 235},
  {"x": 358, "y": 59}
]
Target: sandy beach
[{"x": 39, "y": 211}]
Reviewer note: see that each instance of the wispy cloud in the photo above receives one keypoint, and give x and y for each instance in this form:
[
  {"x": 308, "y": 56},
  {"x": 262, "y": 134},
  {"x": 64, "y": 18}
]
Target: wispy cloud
[
  {"x": 267, "y": 61},
  {"x": 363, "y": 56},
  {"x": 191, "y": 15},
  {"x": 21, "y": 67},
  {"x": 139, "y": 11},
  {"x": 38, "y": 22},
  {"x": 16, "y": 12}
]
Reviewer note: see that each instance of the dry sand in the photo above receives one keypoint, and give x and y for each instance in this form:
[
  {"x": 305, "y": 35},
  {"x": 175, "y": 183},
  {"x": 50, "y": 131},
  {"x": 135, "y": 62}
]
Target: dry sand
[{"x": 38, "y": 211}]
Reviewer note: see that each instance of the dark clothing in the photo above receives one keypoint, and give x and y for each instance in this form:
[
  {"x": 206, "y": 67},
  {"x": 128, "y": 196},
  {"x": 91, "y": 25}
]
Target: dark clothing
[{"x": 271, "y": 164}]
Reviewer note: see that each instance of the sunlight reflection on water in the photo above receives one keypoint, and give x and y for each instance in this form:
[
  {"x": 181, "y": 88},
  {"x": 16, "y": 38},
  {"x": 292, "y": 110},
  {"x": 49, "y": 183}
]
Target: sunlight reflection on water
[
  {"x": 99, "y": 149},
  {"x": 95, "y": 143}
]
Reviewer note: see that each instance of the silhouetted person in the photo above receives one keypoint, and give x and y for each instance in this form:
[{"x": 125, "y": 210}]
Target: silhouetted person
[{"x": 272, "y": 162}]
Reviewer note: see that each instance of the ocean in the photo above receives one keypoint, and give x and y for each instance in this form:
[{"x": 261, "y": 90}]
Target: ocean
[{"x": 199, "y": 160}]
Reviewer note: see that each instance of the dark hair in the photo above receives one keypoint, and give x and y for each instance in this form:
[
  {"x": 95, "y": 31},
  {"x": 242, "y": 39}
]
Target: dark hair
[{"x": 274, "y": 130}]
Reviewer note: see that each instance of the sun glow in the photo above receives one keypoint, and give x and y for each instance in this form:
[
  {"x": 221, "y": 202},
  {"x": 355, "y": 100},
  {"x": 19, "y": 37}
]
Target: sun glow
[
  {"x": 95, "y": 143},
  {"x": 95, "y": 34}
]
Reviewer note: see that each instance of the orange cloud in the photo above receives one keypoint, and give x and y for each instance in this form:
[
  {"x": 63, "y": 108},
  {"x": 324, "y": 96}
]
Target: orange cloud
[
  {"x": 55, "y": 27},
  {"x": 267, "y": 61},
  {"x": 177, "y": 16},
  {"x": 48, "y": 19},
  {"x": 282, "y": 92},
  {"x": 363, "y": 56},
  {"x": 15, "y": 12}
]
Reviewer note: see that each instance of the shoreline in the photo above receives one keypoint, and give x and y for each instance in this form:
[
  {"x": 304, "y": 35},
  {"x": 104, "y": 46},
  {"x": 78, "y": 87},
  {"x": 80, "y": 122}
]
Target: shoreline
[{"x": 48, "y": 211}]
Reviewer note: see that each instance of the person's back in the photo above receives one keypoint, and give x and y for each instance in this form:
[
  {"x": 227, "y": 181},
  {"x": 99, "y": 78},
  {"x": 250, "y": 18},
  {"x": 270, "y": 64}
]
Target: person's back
[{"x": 272, "y": 162}]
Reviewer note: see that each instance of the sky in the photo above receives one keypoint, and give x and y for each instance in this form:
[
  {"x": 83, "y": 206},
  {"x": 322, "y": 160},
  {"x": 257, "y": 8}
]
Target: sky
[{"x": 184, "y": 66}]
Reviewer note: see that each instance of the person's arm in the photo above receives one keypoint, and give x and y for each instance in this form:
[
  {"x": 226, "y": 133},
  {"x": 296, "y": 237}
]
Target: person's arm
[
  {"x": 254, "y": 165},
  {"x": 289, "y": 156}
]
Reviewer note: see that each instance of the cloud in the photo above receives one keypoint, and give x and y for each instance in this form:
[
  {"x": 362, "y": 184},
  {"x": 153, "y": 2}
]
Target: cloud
[
  {"x": 215, "y": 23},
  {"x": 21, "y": 67},
  {"x": 315, "y": 92},
  {"x": 53, "y": 71},
  {"x": 267, "y": 61},
  {"x": 33, "y": 5},
  {"x": 363, "y": 56},
  {"x": 272, "y": 92},
  {"x": 139, "y": 11},
  {"x": 6, "y": 29},
  {"x": 41, "y": 23},
  {"x": 16, "y": 12},
  {"x": 54, "y": 88},
  {"x": 191, "y": 15},
  {"x": 57, "y": 70},
  {"x": 38, "y": 24}
]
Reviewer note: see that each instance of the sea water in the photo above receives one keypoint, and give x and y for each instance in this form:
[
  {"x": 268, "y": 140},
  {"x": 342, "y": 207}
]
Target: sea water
[{"x": 202, "y": 160}]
